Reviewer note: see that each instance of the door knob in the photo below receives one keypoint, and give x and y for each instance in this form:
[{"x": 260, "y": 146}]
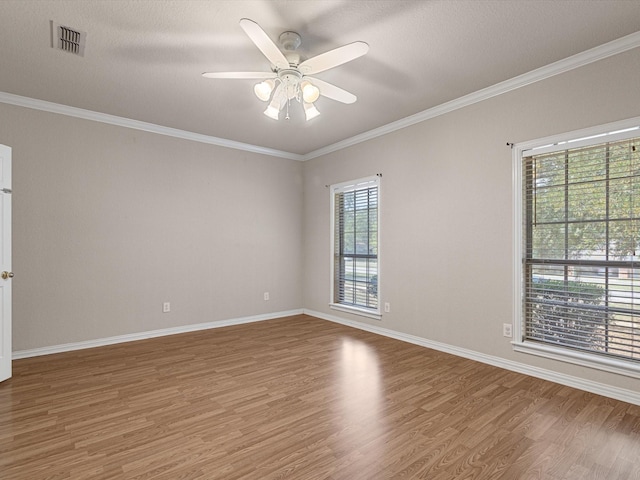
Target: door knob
[{"x": 5, "y": 275}]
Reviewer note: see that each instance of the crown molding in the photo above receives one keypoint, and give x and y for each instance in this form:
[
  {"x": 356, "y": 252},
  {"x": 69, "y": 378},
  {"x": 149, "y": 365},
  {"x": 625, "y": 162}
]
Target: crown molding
[
  {"x": 601, "y": 52},
  {"x": 51, "y": 107}
]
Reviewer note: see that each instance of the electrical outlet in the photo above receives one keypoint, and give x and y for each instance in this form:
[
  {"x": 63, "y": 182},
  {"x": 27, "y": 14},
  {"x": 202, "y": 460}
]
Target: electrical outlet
[
  {"x": 387, "y": 307},
  {"x": 166, "y": 307},
  {"x": 266, "y": 296},
  {"x": 506, "y": 330}
]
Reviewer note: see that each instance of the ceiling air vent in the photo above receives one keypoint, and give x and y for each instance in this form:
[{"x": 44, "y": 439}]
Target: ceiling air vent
[{"x": 67, "y": 39}]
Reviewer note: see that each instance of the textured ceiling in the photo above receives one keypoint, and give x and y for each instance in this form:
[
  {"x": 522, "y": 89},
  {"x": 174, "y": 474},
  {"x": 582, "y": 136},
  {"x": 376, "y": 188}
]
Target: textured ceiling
[{"x": 143, "y": 59}]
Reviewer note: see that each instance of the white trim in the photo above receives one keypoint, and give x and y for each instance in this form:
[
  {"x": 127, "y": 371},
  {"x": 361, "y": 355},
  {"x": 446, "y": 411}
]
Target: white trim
[
  {"x": 546, "y": 144},
  {"x": 606, "y": 364},
  {"x": 579, "y": 142},
  {"x": 45, "y": 106},
  {"x": 350, "y": 186},
  {"x": 375, "y": 314},
  {"x": 623, "y": 394},
  {"x": 617, "y": 393},
  {"x": 132, "y": 337},
  {"x": 358, "y": 184},
  {"x": 613, "y": 131},
  {"x": 601, "y": 52},
  {"x": 516, "y": 182}
]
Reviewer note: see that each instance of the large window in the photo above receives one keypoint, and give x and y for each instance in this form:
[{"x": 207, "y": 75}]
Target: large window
[
  {"x": 355, "y": 246},
  {"x": 580, "y": 245}
]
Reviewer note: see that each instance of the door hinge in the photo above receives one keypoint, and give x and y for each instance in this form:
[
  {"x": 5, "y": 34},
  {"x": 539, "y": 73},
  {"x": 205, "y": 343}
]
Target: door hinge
[{"x": 6, "y": 190}]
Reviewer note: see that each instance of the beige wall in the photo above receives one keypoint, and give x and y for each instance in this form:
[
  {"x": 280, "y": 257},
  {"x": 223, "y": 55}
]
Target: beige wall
[
  {"x": 109, "y": 223},
  {"x": 446, "y": 200}
]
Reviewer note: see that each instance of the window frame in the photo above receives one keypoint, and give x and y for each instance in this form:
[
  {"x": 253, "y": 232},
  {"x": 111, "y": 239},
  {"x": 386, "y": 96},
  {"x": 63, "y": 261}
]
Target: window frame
[
  {"x": 610, "y": 132},
  {"x": 344, "y": 187}
]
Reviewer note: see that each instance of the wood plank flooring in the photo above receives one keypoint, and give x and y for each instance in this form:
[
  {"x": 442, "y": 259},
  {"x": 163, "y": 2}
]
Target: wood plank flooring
[{"x": 301, "y": 398}]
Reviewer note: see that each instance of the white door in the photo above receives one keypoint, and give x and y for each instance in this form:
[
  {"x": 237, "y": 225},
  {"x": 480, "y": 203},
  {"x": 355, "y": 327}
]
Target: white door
[{"x": 5, "y": 262}]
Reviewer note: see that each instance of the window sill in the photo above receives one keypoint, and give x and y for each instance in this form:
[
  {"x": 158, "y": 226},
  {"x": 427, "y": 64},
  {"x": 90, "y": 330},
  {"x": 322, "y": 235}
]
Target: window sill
[
  {"x": 356, "y": 311},
  {"x": 613, "y": 365}
]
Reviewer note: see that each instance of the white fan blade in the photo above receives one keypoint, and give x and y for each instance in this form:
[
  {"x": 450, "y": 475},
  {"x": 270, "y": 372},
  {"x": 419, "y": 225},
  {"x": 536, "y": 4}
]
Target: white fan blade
[
  {"x": 264, "y": 43},
  {"x": 236, "y": 75},
  {"x": 331, "y": 91},
  {"x": 334, "y": 57}
]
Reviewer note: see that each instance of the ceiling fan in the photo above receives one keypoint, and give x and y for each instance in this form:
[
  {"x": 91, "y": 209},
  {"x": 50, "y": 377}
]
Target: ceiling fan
[{"x": 289, "y": 77}]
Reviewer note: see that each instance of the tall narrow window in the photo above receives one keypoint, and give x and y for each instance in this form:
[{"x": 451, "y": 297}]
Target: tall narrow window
[
  {"x": 355, "y": 245},
  {"x": 580, "y": 246}
]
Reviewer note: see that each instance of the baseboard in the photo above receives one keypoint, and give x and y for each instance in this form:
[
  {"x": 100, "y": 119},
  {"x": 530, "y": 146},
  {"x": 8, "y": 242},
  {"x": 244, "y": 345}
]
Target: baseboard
[
  {"x": 132, "y": 337},
  {"x": 617, "y": 393}
]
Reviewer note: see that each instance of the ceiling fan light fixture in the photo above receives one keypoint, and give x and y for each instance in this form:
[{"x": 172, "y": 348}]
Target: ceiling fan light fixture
[
  {"x": 272, "y": 112},
  {"x": 263, "y": 89},
  {"x": 310, "y": 92},
  {"x": 277, "y": 102},
  {"x": 310, "y": 111},
  {"x": 286, "y": 81}
]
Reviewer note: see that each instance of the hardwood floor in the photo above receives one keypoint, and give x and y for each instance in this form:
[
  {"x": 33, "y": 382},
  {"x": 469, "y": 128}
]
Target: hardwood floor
[{"x": 301, "y": 398}]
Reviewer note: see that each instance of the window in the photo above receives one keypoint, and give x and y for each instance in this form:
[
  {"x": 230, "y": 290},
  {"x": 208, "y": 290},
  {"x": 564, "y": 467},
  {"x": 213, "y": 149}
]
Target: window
[
  {"x": 579, "y": 250},
  {"x": 355, "y": 228}
]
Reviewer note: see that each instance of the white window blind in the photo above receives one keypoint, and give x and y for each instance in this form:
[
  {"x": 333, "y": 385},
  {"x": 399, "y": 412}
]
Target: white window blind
[
  {"x": 355, "y": 249},
  {"x": 581, "y": 232}
]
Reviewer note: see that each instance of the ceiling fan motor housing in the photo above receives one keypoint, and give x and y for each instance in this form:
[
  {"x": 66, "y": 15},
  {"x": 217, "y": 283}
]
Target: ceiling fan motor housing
[
  {"x": 289, "y": 75},
  {"x": 290, "y": 78},
  {"x": 290, "y": 40},
  {"x": 290, "y": 72}
]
